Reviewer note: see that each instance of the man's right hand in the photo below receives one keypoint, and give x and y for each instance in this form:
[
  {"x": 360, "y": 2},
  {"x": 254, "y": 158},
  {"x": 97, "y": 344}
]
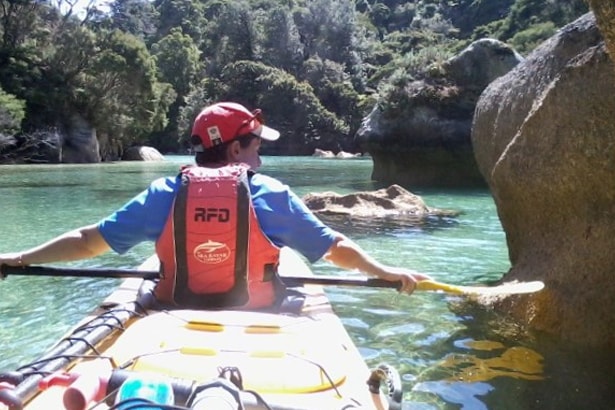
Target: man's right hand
[{"x": 10, "y": 259}]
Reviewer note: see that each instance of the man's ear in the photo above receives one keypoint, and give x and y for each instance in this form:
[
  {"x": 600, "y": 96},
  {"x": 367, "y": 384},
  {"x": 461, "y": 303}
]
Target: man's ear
[{"x": 234, "y": 150}]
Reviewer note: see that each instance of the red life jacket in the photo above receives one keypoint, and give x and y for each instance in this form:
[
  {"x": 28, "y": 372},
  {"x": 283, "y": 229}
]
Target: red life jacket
[{"x": 212, "y": 251}]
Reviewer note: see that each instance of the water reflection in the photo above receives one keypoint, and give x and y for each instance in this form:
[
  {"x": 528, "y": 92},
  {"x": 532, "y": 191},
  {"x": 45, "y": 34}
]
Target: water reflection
[
  {"x": 464, "y": 394},
  {"x": 518, "y": 362},
  {"x": 404, "y": 224}
]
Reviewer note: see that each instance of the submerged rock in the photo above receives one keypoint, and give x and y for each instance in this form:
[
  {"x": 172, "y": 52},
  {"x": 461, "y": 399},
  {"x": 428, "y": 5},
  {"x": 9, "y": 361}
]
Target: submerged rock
[{"x": 390, "y": 203}]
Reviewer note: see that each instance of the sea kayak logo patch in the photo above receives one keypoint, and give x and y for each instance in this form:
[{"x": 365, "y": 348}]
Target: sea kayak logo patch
[{"x": 212, "y": 252}]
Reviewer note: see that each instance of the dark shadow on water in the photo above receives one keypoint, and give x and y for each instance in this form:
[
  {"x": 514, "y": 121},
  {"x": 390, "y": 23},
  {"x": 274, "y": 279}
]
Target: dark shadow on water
[
  {"x": 352, "y": 225},
  {"x": 496, "y": 363}
]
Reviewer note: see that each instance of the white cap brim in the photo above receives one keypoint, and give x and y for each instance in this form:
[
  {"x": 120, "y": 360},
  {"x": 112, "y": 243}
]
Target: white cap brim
[{"x": 266, "y": 133}]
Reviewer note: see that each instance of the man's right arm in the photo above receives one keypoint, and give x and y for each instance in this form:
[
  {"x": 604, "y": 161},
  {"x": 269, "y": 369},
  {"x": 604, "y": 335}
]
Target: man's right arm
[
  {"x": 81, "y": 243},
  {"x": 347, "y": 254}
]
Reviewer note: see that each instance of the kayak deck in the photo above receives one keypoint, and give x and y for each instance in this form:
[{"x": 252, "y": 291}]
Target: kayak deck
[{"x": 299, "y": 361}]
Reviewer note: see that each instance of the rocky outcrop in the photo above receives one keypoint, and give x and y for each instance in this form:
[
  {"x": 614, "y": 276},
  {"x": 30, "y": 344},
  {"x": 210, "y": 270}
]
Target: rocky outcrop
[
  {"x": 392, "y": 202},
  {"x": 425, "y": 140},
  {"x": 320, "y": 153},
  {"x": 347, "y": 155},
  {"x": 480, "y": 63},
  {"x": 142, "y": 153},
  {"x": 79, "y": 144},
  {"x": 544, "y": 138}
]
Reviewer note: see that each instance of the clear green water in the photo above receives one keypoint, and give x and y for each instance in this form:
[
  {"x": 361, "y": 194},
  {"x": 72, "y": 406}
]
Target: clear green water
[{"x": 450, "y": 356}]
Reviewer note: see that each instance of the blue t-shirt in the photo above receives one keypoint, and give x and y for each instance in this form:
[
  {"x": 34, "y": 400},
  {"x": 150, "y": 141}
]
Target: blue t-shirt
[{"x": 283, "y": 217}]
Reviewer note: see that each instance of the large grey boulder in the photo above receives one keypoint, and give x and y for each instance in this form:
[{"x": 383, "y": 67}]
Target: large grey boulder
[
  {"x": 544, "y": 139},
  {"x": 423, "y": 140},
  {"x": 142, "y": 153},
  {"x": 481, "y": 62}
]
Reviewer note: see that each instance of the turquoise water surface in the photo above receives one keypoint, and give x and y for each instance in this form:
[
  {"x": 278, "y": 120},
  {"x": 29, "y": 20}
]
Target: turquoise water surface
[{"x": 451, "y": 356}]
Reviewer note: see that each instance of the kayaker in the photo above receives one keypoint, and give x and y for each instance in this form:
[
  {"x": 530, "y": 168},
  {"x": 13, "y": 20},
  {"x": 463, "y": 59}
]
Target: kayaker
[{"x": 226, "y": 138}]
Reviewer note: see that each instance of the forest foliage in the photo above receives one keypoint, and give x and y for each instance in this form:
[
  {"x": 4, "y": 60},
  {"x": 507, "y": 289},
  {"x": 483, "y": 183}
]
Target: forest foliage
[{"x": 138, "y": 71}]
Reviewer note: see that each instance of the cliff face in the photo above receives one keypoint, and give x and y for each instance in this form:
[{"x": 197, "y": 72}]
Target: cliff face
[
  {"x": 544, "y": 138},
  {"x": 79, "y": 143},
  {"x": 426, "y": 141}
]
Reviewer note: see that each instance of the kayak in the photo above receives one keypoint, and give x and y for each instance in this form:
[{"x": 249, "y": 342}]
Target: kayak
[{"x": 129, "y": 354}]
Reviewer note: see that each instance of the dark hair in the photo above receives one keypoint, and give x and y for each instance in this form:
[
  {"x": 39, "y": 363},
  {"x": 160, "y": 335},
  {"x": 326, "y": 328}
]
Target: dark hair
[{"x": 217, "y": 153}]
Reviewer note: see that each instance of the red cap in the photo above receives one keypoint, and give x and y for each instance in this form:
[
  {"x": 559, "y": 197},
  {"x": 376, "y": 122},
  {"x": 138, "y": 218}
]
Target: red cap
[{"x": 226, "y": 121}]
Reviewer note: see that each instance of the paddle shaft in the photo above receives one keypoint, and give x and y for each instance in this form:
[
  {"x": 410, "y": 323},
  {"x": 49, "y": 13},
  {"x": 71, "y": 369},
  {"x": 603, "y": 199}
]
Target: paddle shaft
[
  {"x": 78, "y": 272},
  {"x": 290, "y": 281}
]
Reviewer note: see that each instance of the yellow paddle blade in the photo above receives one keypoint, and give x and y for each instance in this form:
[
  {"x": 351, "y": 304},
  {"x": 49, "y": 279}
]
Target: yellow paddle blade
[
  {"x": 511, "y": 288},
  {"x": 433, "y": 285}
]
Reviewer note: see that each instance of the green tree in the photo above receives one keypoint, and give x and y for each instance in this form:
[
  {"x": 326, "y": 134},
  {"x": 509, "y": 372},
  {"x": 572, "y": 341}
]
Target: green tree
[
  {"x": 137, "y": 17},
  {"x": 188, "y": 15},
  {"x": 12, "y": 112},
  {"x": 281, "y": 47},
  {"x": 124, "y": 100},
  {"x": 177, "y": 58},
  {"x": 44, "y": 67},
  {"x": 334, "y": 89},
  {"x": 526, "y": 40},
  {"x": 534, "y": 16},
  {"x": 230, "y": 35},
  {"x": 328, "y": 29},
  {"x": 19, "y": 22}
]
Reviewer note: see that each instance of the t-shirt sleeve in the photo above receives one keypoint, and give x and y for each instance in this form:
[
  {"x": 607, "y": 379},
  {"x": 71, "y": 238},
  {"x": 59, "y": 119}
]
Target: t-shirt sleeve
[
  {"x": 142, "y": 218},
  {"x": 287, "y": 221}
]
